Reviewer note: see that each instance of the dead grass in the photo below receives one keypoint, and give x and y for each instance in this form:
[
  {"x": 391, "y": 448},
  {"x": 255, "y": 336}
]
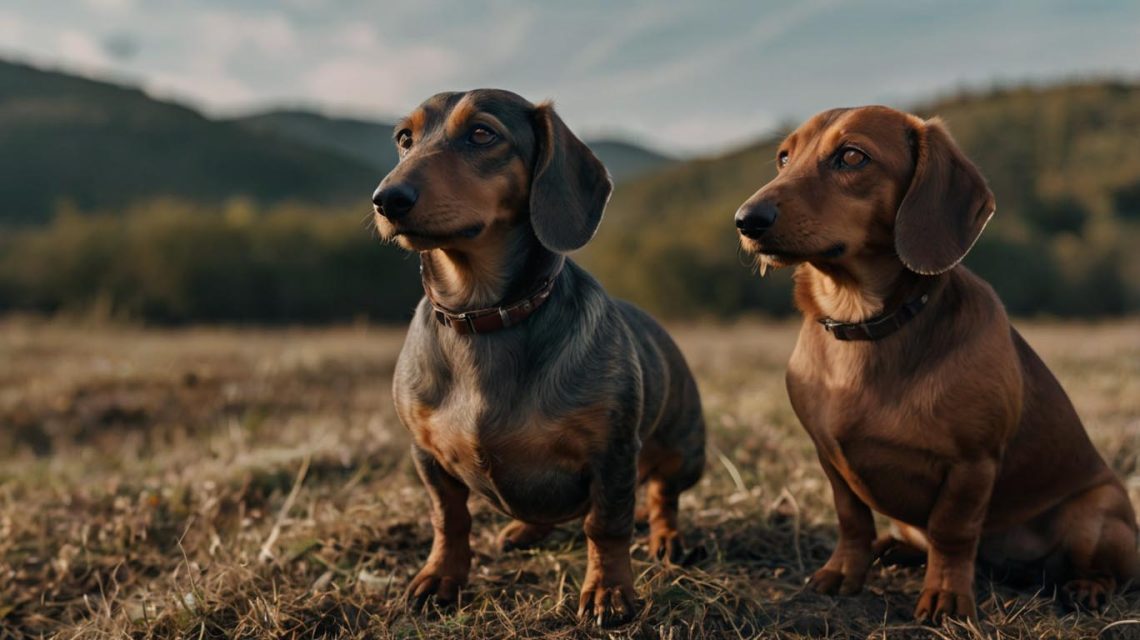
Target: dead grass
[{"x": 241, "y": 483}]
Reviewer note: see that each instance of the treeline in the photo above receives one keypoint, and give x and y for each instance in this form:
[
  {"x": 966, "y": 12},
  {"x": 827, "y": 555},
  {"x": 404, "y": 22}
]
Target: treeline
[{"x": 172, "y": 262}]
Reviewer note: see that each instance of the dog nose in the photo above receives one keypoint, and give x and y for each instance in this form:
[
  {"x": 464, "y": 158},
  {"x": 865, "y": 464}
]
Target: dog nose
[
  {"x": 754, "y": 219},
  {"x": 395, "y": 201}
]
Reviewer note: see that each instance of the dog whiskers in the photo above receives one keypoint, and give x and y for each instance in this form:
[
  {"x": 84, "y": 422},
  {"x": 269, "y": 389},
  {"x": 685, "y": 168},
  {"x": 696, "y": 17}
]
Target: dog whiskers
[{"x": 744, "y": 258}]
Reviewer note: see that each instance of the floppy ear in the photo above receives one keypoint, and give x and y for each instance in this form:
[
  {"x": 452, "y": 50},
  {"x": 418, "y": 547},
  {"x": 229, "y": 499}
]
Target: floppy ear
[
  {"x": 945, "y": 209},
  {"x": 570, "y": 186}
]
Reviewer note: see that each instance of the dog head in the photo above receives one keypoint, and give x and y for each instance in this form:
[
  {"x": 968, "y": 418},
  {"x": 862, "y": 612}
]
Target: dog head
[
  {"x": 868, "y": 182},
  {"x": 478, "y": 162}
]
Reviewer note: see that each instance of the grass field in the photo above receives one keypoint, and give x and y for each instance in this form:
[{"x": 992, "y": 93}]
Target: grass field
[{"x": 255, "y": 483}]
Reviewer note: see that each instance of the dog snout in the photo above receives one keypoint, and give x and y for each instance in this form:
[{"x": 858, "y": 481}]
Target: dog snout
[
  {"x": 395, "y": 201},
  {"x": 753, "y": 219}
]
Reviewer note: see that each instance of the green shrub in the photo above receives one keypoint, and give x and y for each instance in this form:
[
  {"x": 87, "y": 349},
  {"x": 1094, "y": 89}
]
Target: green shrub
[{"x": 171, "y": 262}]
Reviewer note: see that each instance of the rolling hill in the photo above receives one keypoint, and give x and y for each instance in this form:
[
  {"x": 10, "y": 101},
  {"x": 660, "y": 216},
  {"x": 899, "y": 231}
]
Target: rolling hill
[
  {"x": 76, "y": 143},
  {"x": 627, "y": 161},
  {"x": 98, "y": 145},
  {"x": 366, "y": 141},
  {"x": 370, "y": 141}
]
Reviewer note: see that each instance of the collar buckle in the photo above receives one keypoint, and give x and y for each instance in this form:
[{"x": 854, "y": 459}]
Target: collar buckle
[
  {"x": 829, "y": 325},
  {"x": 466, "y": 318}
]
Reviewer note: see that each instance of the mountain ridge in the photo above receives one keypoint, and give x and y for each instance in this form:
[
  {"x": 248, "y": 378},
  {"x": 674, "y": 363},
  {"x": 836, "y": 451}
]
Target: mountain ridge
[
  {"x": 70, "y": 142},
  {"x": 370, "y": 141}
]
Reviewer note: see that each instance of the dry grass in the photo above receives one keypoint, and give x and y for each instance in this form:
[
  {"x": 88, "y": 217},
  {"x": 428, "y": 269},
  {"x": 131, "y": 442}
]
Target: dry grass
[{"x": 240, "y": 483}]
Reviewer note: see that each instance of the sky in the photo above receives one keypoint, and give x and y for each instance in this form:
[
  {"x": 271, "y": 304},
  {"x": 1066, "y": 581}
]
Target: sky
[{"x": 684, "y": 76}]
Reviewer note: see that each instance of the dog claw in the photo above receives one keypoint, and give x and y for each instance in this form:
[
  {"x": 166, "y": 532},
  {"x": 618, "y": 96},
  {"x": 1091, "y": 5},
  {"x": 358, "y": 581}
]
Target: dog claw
[
  {"x": 934, "y": 606},
  {"x": 667, "y": 547},
  {"x": 829, "y": 582},
  {"x": 1090, "y": 595},
  {"x": 445, "y": 590},
  {"x": 825, "y": 581},
  {"x": 607, "y": 606}
]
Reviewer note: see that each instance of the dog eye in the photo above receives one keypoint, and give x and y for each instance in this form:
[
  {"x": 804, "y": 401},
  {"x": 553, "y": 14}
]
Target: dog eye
[
  {"x": 482, "y": 136},
  {"x": 851, "y": 158},
  {"x": 782, "y": 159},
  {"x": 404, "y": 139}
]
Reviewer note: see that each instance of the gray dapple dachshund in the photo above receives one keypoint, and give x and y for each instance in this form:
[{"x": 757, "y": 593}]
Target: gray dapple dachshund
[{"x": 520, "y": 378}]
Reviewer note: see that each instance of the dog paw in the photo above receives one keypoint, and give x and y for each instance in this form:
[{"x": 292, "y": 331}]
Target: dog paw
[
  {"x": 607, "y": 605},
  {"x": 641, "y": 517},
  {"x": 666, "y": 546},
  {"x": 1088, "y": 594},
  {"x": 935, "y": 605},
  {"x": 429, "y": 584},
  {"x": 521, "y": 535},
  {"x": 831, "y": 582}
]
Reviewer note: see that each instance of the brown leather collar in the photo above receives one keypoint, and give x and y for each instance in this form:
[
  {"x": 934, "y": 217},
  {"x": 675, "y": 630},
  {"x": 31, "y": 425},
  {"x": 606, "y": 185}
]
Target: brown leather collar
[
  {"x": 491, "y": 319},
  {"x": 877, "y": 327}
]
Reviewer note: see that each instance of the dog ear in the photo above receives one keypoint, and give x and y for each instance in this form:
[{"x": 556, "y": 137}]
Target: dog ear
[
  {"x": 946, "y": 207},
  {"x": 569, "y": 188}
]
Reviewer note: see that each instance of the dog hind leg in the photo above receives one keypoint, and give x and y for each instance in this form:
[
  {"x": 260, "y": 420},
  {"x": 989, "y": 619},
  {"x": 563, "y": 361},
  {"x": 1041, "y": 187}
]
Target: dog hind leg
[
  {"x": 1098, "y": 532},
  {"x": 668, "y": 469}
]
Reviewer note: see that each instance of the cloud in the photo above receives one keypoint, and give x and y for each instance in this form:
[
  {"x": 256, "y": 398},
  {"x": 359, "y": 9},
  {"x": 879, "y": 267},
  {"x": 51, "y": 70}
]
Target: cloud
[
  {"x": 210, "y": 84},
  {"x": 12, "y": 28},
  {"x": 705, "y": 134},
  {"x": 717, "y": 53},
  {"x": 604, "y": 47},
  {"x": 385, "y": 81},
  {"x": 215, "y": 57},
  {"x": 80, "y": 48},
  {"x": 110, "y": 5},
  {"x": 227, "y": 31},
  {"x": 357, "y": 36},
  {"x": 511, "y": 29}
]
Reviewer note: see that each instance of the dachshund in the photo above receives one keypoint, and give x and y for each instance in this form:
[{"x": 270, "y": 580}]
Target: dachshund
[
  {"x": 923, "y": 402},
  {"x": 520, "y": 379}
]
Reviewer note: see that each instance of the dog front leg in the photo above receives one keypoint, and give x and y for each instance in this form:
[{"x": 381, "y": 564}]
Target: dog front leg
[
  {"x": 607, "y": 590},
  {"x": 846, "y": 570},
  {"x": 449, "y": 562},
  {"x": 954, "y": 530}
]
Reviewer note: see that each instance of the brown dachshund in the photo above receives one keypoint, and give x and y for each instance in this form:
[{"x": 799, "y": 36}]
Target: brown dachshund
[
  {"x": 924, "y": 404},
  {"x": 520, "y": 378}
]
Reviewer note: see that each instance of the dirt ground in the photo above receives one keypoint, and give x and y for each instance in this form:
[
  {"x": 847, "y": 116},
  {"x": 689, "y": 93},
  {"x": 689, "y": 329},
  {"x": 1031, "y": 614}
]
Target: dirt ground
[{"x": 208, "y": 483}]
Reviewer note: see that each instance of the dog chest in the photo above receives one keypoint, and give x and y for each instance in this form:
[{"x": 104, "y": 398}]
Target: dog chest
[
  {"x": 891, "y": 478},
  {"x": 895, "y": 471},
  {"x": 531, "y": 467}
]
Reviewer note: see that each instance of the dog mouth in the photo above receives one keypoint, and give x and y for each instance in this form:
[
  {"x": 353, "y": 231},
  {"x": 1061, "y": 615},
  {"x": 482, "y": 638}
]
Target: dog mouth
[
  {"x": 766, "y": 260},
  {"x": 772, "y": 257},
  {"x": 419, "y": 236}
]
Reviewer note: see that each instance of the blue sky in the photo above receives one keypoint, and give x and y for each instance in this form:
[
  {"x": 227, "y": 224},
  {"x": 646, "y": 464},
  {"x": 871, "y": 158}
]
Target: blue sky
[{"x": 681, "y": 75}]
